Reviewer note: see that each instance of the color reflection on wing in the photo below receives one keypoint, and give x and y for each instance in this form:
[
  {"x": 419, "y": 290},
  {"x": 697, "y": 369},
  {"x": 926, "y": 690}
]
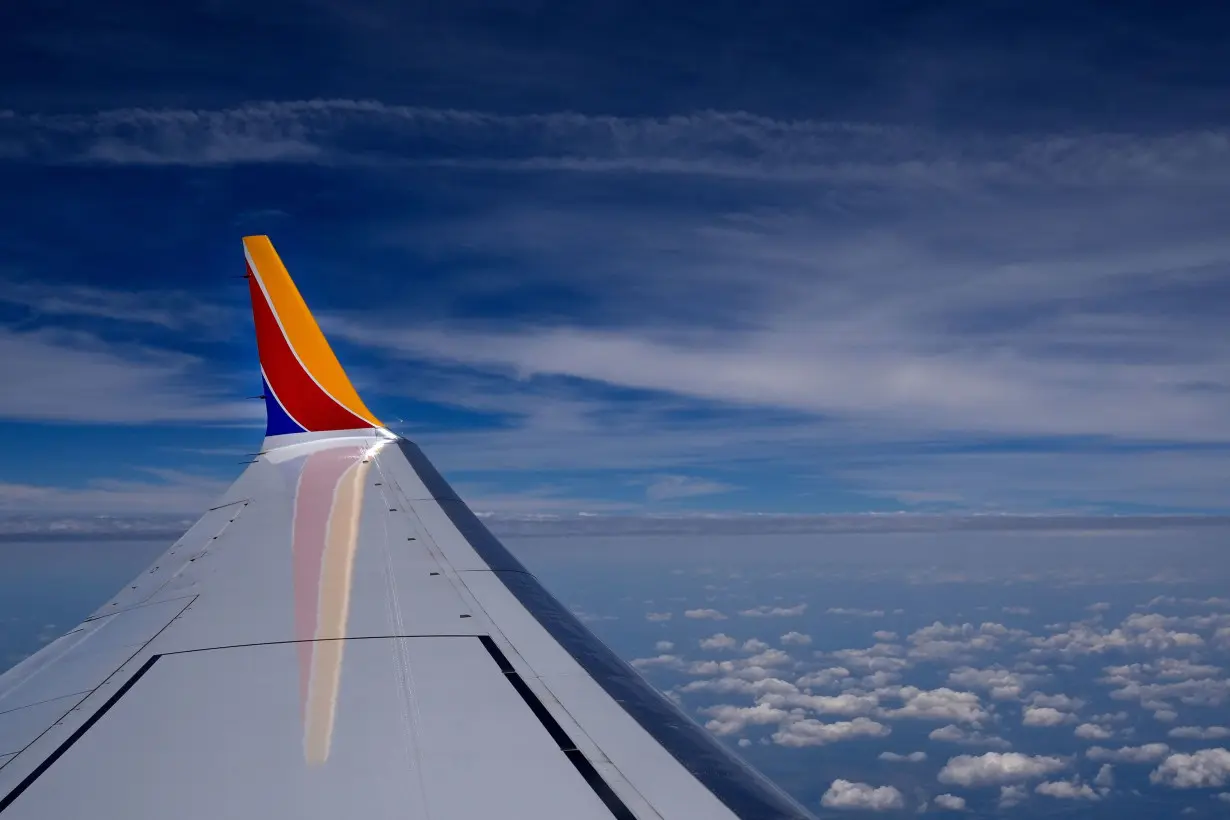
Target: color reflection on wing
[{"x": 328, "y": 503}]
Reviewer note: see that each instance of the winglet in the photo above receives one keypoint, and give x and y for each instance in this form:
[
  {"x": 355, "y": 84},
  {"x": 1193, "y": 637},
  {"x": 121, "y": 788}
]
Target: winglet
[{"x": 306, "y": 389}]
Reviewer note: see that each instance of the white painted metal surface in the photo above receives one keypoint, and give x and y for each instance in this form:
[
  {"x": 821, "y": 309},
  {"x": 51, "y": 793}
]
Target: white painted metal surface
[
  {"x": 222, "y": 735},
  {"x": 311, "y": 648}
]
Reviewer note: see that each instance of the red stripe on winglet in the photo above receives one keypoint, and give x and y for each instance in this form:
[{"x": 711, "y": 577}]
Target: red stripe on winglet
[{"x": 300, "y": 395}]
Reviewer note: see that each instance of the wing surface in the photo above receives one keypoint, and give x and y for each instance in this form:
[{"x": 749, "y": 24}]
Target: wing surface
[{"x": 340, "y": 636}]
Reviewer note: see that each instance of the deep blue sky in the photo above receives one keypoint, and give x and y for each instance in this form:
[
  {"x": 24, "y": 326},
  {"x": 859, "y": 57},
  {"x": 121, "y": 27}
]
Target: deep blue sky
[{"x": 804, "y": 257}]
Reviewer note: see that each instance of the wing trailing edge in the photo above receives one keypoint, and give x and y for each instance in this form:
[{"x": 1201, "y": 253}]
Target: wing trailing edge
[{"x": 306, "y": 389}]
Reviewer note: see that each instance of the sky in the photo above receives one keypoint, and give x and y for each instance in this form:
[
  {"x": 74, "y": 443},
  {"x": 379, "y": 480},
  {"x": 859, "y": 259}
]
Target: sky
[
  {"x": 1078, "y": 672},
  {"x": 729, "y": 279},
  {"x": 628, "y": 257}
]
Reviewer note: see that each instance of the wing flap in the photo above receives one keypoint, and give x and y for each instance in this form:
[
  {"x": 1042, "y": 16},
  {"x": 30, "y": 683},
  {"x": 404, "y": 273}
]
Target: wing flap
[
  {"x": 47, "y": 686},
  {"x": 21, "y": 725},
  {"x": 424, "y": 728}
]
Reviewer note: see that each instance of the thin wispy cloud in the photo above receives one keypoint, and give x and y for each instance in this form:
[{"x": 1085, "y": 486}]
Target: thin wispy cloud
[
  {"x": 667, "y": 487},
  {"x": 78, "y": 377},
  {"x": 734, "y": 144},
  {"x": 921, "y": 274},
  {"x": 123, "y": 503},
  {"x": 822, "y": 369},
  {"x": 174, "y": 310}
]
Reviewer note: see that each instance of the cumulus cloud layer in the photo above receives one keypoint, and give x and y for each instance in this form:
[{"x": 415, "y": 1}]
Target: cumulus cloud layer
[
  {"x": 802, "y": 698},
  {"x": 1092, "y": 731},
  {"x": 844, "y": 794},
  {"x": 1067, "y": 790},
  {"x": 1129, "y": 754},
  {"x": 1207, "y": 768},
  {"x": 704, "y": 614},
  {"x": 1199, "y": 732},
  {"x": 950, "y": 802},
  {"x": 994, "y": 768},
  {"x": 810, "y": 732},
  {"x": 1045, "y": 716},
  {"x": 965, "y": 737},
  {"x": 912, "y": 757}
]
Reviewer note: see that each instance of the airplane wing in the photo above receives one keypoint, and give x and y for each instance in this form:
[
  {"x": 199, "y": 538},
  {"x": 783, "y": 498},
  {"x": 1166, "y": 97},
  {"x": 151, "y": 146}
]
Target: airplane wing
[{"x": 339, "y": 636}]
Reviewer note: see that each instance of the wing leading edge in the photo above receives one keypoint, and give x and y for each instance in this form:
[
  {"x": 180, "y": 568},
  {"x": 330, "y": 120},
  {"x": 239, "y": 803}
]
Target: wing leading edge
[{"x": 341, "y": 636}]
